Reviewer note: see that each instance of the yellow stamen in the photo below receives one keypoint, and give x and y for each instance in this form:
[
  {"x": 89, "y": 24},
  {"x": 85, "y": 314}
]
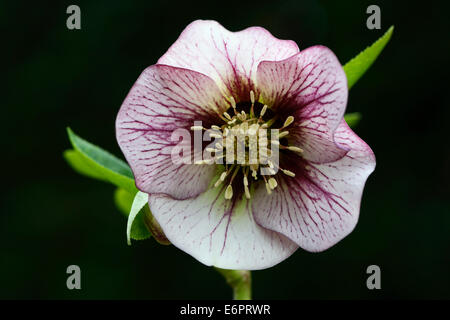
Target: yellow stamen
[
  {"x": 283, "y": 134},
  {"x": 233, "y": 102},
  {"x": 273, "y": 183},
  {"x": 263, "y": 111},
  {"x": 269, "y": 191},
  {"x": 247, "y": 192},
  {"x": 227, "y": 115},
  {"x": 295, "y": 149},
  {"x": 229, "y": 192},
  {"x": 288, "y": 173},
  {"x": 288, "y": 121},
  {"x": 221, "y": 179}
]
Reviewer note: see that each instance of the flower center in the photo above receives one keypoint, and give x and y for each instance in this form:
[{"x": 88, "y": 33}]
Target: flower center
[{"x": 246, "y": 143}]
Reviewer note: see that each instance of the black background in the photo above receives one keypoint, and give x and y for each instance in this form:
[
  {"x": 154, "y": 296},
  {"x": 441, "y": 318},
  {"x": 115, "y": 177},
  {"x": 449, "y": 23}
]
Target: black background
[{"x": 52, "y": 217}]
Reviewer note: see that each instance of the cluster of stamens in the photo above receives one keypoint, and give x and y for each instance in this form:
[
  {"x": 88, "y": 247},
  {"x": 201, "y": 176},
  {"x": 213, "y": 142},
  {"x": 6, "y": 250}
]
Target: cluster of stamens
[{"x": 254, "y": 154}]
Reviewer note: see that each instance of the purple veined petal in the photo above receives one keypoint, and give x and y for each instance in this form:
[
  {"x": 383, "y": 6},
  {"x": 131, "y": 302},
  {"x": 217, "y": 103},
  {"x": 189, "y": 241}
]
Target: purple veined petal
[
  {"x": 230, "y": 58},
  {"x": 162, "y": 100},
  {"x": 312, "y": 87},
  {"x": 219, "y": 232},
  {"x": 320, "y": 206}
]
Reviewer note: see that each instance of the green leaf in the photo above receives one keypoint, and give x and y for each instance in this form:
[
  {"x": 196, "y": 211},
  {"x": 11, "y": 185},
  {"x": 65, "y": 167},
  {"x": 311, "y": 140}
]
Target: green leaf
[
  {"x": 124, "y": 201},
  {"x": 77, "y": 162},
  {"x": 352, "y": 119},
  {"x": 356, "y": 67},
  {"x": 90, "y": 160},
  {"x": 140, "y": 200},
  {"x": 97, "y": 163}
]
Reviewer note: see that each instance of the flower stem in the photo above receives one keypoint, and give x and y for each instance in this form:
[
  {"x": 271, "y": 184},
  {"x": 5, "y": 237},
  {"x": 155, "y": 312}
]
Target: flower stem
[{"x": 240, "y": 281}]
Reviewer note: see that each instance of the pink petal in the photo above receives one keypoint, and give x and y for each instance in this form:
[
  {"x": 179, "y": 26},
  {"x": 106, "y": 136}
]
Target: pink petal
[
  {"x": 320, "y": 206},
  {"x": 230, "y": 58},
  {"x": 312, "y": 87},
  {"x": 162, "y": 100},
  {"x": 219, "y": 232}
]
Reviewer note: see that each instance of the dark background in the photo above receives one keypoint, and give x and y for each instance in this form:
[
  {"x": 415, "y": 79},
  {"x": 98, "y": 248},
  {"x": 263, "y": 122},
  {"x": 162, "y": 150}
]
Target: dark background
[{"x": 51, "y": 217}]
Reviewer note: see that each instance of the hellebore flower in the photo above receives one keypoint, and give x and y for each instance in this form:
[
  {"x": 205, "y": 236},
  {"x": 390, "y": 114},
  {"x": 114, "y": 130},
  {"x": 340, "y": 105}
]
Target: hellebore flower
[{"x": 231, "y": 216}]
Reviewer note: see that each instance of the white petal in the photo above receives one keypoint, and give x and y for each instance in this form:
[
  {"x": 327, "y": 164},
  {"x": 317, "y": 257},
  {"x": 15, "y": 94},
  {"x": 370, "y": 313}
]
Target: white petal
[
  {"x": 230, "y": 58},
  {"x": 312, "y": 87},
  {"x": 162, "y": 100},
  {"x": 320, "y": 206},
  {"x": 219, "y": 232}
]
